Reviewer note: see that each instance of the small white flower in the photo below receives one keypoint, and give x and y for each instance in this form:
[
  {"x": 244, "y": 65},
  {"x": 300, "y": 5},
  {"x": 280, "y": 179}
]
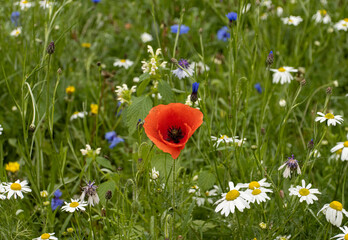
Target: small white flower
[
  {"x": 246, "y": 8},
  {"x": 44, "y": 194},
  {"x": 1, "y": 129},
  {"x": 321, "y": 16},
  {"x": 342, "y": 25},
  {"x": 341, "y": 148},
  {"x": 226, "y": 139},
  {"x": 77, "y": 115},
  {"x": 282, "y": 75},
  {"x": 136, "y": 79},
  {"x": 46, "y": 236},
  {"x": 279, "y": 11},
  {"x": 258, "y": 191},
  {"x": 233, "y": 199},
  {"x": 282, "y": 102},
  {"x": 154, "y": 174},
  {"x": 16, "y": 189},
  {"x": 201, "y": 200},
  {"x": 283, "y": 237},
  {"x": 124, "y": 94},
  {"x": 24, "y": 4},
  {"x": 123, "y": 63},
  {"x": 292, "y": 20},
  {"x": 305, "y": 193},
  {"x": 342, "y": 236},
  {"x": 46, "y": 4},
  {"x": 75, "y": 205},
  {"x": 200, "y": 67},
  {"x": 334, "y": 213},
  {"x": 330, "y": 118},
  {"x": 16, "y": 32},
  {"x": 90, "y": 190},
  {"x": 2, "y": 190},
  {"x": 264, "y": 16},
  {"x": 185, "y": 69},
  {"x": 89, "y": 151},
  {"x": 145, "y": 37},
  {"x": 266, "y": 3},
  {"x": 158, "y": 95},
  {"x": 291, "y": 166}
]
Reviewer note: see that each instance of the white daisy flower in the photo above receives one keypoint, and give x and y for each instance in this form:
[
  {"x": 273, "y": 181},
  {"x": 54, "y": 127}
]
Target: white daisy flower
[
  {"x": 321, "y": 16},
  {"x": 331, "y": 119},
  {"x": 201, "y": 200},
  {"x": 1, "y": 129},
  {"x": 342, "y": 236},
  {"x": 46, "y": 236},
  {"x": 258, "y": 191},
  {"x": 342, "y": 149},
  {"x": 46, "y": 4},
  {"x": 75, "y": 205},
  {"x": 305, "y": 193},
  {"x": 292, "y": 20},
  {"x": 279, "y": 11},
  {"x": 333, "y": 212},
  {"x": 123, "y": 63},
  {"x": 233, "y": 199},
  {"x": 200, "y": 67},
  {"x": 24, "y": 4},
  {"x": 16, "y": 32},
  {"x": 124, "y": 94},
  {"x": 283, "y": 237},
  {"x": 222, "y": 138},
  {"x": 77, "y": 115},
  {"x": 145, "y": 37},
  {"x": 342, "y": 25},
  {"x": 291, "y": 166},
  {"x": 185, "y": 69},
  {"x": 16, "y": 189},
  {"x": 89, "y": 151},
  {"x": 266, "y": 3},
  {"x": 154, "y": 174},
  {"x": 282, "y": 74}
]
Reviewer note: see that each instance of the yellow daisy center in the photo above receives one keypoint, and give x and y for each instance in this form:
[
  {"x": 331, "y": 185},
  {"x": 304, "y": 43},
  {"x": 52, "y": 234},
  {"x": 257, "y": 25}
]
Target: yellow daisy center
[
  {"x": 123, "y": 60},
  {"x": 45, "y": 236},
  {"x": 223, "y": 137},
  {"x": 344, "y": 25},
  {"x": 345, "y": 144},
  {"x": 329, "y": 116},
  {"x": 346, "y": 237},
  {"x": 281, "y": 69},
  {"x": 290, "y": 20},
  {"x": 346, "y": 19},
  {"x": 256, "y": 191},
  {"x": 254, "y": 185},
  {"x": 25, "y": 1},
  {"x": 339, "y": 151},
  {"x": 74, "y": 204},
  {"x": 323, "y": 12},
  {"x": 303, "y": 191},
  {"x": 16, "y": 186},
  {"x": 232, "y": 195},
  {"x": 207, "y": 194},
  {"x": 336, "y": 205},
  {"x": 75, "y": 113}
]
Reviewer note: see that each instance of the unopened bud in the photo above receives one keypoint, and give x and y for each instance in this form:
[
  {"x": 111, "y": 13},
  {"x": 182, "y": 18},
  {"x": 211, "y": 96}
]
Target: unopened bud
[
  {"x": 59, "y": 71},
  {"x": 310, "y": 144},
  {"x": 303, "y": 82},
  {"x": 253, "y": 147},
  {"x": 174, "y": 60},
  {"x": 200, "y": 30},
  {"x": 329, "y": 90},
  {"x": 281, "y": 193},
  {"x": 270, "y": 59},
  {"x": 32, "y": 127},
  {"x": 98, "y": 64},
  {"x": 108, "y": 195},
  {"x": 50, "y": 48}
]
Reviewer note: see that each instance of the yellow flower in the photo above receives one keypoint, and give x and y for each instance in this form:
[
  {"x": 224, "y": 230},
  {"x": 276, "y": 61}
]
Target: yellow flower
[
  {"x": 46, "y": 203},
  {"x": 86, "y": 45},
  {"x": 94, "y": 108},
  {"x": 70, "y": 90},
  {"x": 12, "y": 167},
  {"x": 70, "y": 230}
]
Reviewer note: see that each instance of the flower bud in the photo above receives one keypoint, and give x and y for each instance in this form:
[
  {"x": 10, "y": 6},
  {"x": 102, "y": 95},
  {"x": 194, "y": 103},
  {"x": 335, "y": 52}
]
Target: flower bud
[
  {"x": 108, "y": 195},
  {"x": 50, "y": 48},
  {"x": 329, "y": 90},
  {"x": 270, "y": 59}
]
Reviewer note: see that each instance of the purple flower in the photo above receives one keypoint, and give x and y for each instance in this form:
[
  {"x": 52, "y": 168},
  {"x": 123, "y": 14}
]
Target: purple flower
[
  {"x": 113, "y": 139},
  {"x": 183, "y": 29},
  {"x": 223, "y": 34},
  {"x": 232, "y": 16},
  {"x": 56, "y": 201},
  {"x": 15, "y": 18},
  {"x": 258, "y": 87}
]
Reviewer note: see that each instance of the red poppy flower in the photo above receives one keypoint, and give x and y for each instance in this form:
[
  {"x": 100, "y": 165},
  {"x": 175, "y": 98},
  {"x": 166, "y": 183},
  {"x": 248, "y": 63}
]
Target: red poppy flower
[{"x": 170, "y": 126}]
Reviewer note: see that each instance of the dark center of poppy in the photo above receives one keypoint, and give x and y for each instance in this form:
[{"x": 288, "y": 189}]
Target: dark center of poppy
[{"x": 175, "y": 134}]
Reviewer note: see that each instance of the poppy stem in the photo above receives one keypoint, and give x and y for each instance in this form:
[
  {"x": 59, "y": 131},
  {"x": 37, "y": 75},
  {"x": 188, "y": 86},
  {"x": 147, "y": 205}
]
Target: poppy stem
[{"x": 173, "y": 204}]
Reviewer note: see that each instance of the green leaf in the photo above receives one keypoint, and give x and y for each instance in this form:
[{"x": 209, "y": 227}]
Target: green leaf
[
  {"x": 142, "y": 86},
  {"x": 139, "y": 109},
  {"x": 104, "y": 162},
  {"x": 206, "y": 180},
  {"x": 166, "y": 91},
  {"x": 103, "y": 188},
  {"x": 144, "y": 76}
]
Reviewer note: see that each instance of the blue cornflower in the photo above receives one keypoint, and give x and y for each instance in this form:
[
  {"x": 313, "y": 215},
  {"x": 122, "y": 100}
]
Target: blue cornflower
[
  {"x": 258, "y": 87},
  {"x": 223, "y": 34},
  {"x": 15, "y": 18},
  {"x": 56, "y": 201},
  {"x": 186, "y": 69},
  {"x": 96, "y": 1},
  {"x": 232, "y": 16},
  {"x": 183, "y": 29},
  {"x": 113, "y": 139},
  {"x": 195, "y": 87}
]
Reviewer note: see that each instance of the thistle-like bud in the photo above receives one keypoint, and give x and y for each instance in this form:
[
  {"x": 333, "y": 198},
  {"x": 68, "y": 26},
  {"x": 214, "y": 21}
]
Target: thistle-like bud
[
  {"x": 270, "y": 59},
  {"x": 32, "y": 127},
  {"x": 329, "y": 90},
  {"x": 194, "y": 97},
  {"x": 303, "y": 82},
  {"x": 50, "y": 48},
  {"x": 59, "y": 71},
  {"x": 310, "y": 144},
  {"x": 108, "y": 195}
]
